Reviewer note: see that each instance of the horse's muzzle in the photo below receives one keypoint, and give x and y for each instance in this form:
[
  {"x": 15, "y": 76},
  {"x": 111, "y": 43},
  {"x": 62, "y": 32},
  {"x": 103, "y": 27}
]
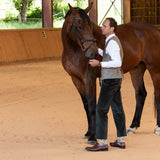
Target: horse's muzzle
[{"x": 90, "y": 54}]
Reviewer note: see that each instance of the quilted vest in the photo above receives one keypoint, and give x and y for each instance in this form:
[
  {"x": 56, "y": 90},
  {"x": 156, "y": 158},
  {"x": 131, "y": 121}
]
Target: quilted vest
[{"x": 112, "y": 73}]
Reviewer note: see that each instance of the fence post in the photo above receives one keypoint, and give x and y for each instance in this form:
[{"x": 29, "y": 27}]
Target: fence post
[
  {"x": 94, "y": 11},
  {"x": 47, "y": 13}
]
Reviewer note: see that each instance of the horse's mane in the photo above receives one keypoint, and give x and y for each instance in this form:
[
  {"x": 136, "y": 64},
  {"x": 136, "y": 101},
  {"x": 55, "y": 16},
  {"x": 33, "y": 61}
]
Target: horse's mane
[{"x": 82, "y": 13}]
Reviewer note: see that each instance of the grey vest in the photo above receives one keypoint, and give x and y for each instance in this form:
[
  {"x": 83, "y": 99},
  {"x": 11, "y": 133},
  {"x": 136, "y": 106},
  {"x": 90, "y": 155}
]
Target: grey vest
[{"x": 112, "y": 73}]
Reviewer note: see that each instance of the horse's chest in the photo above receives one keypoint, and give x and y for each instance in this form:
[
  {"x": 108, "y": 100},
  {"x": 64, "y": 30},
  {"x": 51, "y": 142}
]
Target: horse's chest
[{"x": 72, "y": 66}]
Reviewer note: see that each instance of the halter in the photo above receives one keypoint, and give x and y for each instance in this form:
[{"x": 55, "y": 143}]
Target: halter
[{"x": 79, "y": 36}]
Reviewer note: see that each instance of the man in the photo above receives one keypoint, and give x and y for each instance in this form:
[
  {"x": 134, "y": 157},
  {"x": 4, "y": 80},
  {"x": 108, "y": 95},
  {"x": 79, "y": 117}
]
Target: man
[{"x": 110, "y": 94}]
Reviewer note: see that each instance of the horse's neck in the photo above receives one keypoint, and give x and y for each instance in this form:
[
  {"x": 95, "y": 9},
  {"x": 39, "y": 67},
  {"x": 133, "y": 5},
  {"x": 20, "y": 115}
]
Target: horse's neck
[
  {"x": 70, "y": 48},
  {"x": 100, "y": 38}
]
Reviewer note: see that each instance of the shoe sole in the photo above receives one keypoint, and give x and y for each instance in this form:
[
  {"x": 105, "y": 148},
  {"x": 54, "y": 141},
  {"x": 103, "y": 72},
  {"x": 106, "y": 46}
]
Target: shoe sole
[
  {"x": 119, "y": 147},
  {"x": 97, "y": 150}
]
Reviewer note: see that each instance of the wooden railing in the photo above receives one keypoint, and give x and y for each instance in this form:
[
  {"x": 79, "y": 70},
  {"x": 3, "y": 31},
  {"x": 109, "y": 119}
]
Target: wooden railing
[{"x": 29, "y": 44}]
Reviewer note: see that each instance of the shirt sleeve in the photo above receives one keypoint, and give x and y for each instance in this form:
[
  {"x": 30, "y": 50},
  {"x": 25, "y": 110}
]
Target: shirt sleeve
[
  {"x": 113, "y": 50},
  {"x": 100, "y": 51}
]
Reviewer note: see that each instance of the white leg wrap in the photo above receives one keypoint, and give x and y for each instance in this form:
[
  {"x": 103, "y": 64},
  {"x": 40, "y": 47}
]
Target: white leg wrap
[
  {"x": 157, "y": 130},
  {"x": 131, "y": 130}
]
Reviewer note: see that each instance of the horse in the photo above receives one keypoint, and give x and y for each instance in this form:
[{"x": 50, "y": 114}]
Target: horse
[{"x": 81, "y": 39}]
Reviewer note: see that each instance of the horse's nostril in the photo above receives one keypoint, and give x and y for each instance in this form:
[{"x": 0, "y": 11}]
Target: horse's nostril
[{"x": 92, "y": 55}]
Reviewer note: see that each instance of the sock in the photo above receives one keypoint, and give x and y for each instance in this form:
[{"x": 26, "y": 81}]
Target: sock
[
  {"x": 120, "y": 139},
  {"x": 102, "y": 141}
]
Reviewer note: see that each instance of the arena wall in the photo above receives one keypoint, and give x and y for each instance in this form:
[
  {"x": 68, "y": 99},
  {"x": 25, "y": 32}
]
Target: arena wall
[{"x": 29, "y": 44}]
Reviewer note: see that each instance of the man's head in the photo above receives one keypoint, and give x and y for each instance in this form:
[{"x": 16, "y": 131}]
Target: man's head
[{"x": 109, "y": 26}]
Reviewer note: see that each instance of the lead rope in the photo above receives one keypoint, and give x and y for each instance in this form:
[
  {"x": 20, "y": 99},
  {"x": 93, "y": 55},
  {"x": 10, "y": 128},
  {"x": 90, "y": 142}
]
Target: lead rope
[
  {"x": 87, "y": 77},
  {"x": 87, "y": 80}
]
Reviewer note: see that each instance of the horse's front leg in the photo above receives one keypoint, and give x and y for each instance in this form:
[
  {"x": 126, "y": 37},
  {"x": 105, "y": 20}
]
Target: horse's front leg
[
  {"x": 88, "y": 96},
  {"x": 89, "y": 120}
]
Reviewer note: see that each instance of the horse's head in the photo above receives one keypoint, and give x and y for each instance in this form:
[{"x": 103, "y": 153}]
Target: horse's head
[{"x": 79, "y": 30}]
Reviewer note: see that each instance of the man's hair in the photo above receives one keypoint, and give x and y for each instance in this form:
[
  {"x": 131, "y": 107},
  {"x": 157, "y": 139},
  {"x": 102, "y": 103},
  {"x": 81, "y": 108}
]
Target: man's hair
[{"x": 113, "y": 23}]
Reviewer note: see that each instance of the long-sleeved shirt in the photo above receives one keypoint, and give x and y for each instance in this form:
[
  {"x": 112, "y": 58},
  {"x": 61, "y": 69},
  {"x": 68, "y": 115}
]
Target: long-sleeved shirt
[{"x": 113, "y": 50}]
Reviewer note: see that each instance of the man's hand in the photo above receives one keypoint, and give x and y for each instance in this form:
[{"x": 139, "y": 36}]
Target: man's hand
[{"x": 94, "y": 62}]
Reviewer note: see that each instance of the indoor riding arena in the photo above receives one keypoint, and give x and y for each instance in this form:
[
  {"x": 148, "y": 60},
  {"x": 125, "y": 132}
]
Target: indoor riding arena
[{"x": 41, "y": 113}]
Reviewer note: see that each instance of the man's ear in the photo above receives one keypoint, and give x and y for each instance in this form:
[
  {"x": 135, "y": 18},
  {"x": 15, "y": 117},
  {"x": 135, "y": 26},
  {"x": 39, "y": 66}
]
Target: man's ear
[{"x": 112, "y": 28}]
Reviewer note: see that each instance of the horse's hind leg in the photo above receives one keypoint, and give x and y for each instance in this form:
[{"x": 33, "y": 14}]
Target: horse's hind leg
[
  {"x": 140, "y": 93},
  {"x": 157, "y": 106},
  {"x": 156, "y": 82}
]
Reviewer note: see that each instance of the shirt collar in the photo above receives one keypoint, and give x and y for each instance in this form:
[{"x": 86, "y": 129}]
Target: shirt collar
[{"x": 110, "y": 36}]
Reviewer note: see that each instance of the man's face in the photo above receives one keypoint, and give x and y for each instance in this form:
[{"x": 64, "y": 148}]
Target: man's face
[{"x": 106, "y": 29}]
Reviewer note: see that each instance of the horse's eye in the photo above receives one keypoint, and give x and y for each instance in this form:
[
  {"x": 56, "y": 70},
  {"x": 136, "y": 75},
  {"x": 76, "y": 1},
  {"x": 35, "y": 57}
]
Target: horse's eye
[{"x": 80, "y": 28}]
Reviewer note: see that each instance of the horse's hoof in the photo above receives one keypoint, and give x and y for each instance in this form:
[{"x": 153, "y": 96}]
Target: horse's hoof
[
  {"x": 131, "y": 130},
  {"x": 92, "y": 142},
  {"x": 157, "y": 130}
]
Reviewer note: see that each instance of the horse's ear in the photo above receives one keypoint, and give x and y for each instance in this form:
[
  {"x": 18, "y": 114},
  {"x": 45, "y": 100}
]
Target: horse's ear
[
  {"x": 73, "y": 10},
  {"x": 89, "y": 7}
]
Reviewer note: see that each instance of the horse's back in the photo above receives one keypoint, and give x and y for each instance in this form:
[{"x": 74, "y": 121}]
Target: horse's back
[{"x": 141, "y": 42}]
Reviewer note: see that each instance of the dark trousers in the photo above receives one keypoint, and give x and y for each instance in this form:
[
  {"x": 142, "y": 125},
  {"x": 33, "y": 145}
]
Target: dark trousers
[{"x": 110, "y": 95}]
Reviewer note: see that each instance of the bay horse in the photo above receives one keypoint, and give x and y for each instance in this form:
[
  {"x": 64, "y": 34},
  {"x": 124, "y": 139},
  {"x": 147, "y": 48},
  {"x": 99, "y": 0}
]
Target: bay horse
[{"x": 141, "y": 44}]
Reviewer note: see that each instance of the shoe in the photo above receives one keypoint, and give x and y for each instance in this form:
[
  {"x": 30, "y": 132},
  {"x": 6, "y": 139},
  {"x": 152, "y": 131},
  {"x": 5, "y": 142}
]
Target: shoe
[
  {"x": 118, "y": 144},
  {"x": 97, "y": 147}
]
